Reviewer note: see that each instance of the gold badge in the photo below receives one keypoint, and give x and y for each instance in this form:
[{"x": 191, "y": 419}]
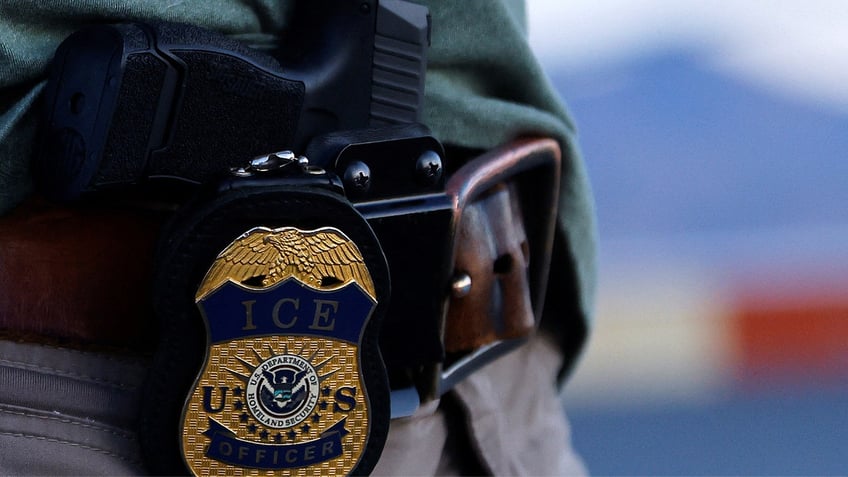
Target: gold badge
[{"x": 281, "y": 390}]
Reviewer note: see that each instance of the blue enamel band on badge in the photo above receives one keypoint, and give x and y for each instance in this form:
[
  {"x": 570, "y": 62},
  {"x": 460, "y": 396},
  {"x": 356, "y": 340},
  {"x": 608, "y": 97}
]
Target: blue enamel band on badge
[
  {"x": 288, "y": 308},
  {"x": 226, "y": 447}
]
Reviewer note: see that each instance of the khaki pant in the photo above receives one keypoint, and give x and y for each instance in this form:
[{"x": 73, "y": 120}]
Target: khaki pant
[{"x": 71, "y": 412}]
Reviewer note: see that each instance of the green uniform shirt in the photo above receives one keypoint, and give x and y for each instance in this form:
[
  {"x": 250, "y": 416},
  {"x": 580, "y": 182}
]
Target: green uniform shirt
[{"x": 484, "y": 88}]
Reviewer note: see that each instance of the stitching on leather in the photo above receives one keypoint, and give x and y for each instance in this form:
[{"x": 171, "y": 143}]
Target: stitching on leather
[
  {"x": 72, "y": 444},
  {"x": 65, "y": 373},
  {"x": 65, "y": 420}
]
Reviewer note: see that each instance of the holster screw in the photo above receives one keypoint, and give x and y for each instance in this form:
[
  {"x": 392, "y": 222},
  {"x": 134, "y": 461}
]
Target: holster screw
[
  {"x": 428, "y": 168},
  {"x": 357, "y": 177}
]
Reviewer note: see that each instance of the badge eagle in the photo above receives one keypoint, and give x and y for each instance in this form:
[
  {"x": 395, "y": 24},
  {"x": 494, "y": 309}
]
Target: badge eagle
[
  {"x": 320, "y": 258},
  {"x": 281, "y": 390}
]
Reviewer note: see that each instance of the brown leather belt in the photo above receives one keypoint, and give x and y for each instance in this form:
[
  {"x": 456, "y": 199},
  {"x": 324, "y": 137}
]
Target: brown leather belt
[
  {"x": 77, "y": 276},
  {"x": 81, "y": 275}
]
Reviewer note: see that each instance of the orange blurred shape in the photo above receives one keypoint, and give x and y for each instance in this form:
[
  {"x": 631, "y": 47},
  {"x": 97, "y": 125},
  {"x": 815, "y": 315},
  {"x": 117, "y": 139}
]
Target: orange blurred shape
[{"x": 801, "y": 332}]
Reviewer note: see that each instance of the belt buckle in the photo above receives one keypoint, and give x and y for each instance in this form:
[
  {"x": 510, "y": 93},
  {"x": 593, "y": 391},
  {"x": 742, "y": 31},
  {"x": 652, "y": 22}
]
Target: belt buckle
[{"x": 504, "y": 209}]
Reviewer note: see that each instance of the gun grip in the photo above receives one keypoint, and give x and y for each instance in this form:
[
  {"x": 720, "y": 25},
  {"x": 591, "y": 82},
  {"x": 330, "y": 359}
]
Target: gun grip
[{"x": 127, "y": 102}]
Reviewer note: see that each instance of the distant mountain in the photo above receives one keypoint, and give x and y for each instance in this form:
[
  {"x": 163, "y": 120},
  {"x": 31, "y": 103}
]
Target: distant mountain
[{"x": 673, "y": 147}]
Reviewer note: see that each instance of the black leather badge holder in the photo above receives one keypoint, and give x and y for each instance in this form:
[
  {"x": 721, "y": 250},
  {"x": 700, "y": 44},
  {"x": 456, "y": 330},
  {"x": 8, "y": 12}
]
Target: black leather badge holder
[{"x": 274, "y": 290}]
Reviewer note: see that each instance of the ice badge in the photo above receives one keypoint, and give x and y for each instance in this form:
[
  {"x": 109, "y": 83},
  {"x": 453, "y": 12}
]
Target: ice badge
[{"x": 281, "y": 389}]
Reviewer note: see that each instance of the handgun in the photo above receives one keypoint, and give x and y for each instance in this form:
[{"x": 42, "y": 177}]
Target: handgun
[{"x": 130, "y": 102}]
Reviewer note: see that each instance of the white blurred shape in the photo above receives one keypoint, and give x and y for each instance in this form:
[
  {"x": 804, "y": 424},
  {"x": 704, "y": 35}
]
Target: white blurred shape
[
  {"x": 794, "y": 48},
  {"x": 658, "y": 339}
]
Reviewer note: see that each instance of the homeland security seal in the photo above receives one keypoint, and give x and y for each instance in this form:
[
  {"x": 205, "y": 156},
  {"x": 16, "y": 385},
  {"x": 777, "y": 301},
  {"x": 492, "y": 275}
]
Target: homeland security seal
[{"x": 281, "y": 389}]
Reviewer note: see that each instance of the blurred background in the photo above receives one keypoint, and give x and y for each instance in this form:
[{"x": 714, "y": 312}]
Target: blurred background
[{"x": 716, "y": 139}]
